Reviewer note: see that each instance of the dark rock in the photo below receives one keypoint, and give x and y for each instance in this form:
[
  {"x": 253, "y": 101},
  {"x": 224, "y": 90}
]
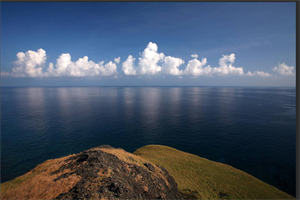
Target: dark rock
[
  {"x": 223, "y": 195},
  {"x": 149, "y": 166},
  {"x": 104, "y": 175},
  {"x": 82, "y": 157},
  {"x": 189, "y": 194}
]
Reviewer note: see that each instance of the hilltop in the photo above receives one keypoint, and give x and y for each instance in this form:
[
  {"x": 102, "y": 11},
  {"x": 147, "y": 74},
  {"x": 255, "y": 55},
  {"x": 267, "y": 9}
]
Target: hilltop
[{"x": 151, "y": 172}]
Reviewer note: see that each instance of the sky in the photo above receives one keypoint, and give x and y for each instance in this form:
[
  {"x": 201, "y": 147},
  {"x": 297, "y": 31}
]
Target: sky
[{"x": 148, "y": 43}]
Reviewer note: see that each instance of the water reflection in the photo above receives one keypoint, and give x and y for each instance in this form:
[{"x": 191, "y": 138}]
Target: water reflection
[
  {"x": 226, "y": 105},
  {"x": 34, "y": 111},
  {"x": 197, "y": 103},
  {"x": 65, "y": 102},
  {"x": 150, "y": 100},
  {"x": 173, "y": 104},
  {"x": 129, "y": 99},
  {"x": 73, "y": 101}
]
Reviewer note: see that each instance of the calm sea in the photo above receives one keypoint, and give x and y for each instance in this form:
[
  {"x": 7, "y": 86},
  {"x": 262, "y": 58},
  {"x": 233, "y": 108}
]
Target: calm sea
[{"x": 253, "y": 129}]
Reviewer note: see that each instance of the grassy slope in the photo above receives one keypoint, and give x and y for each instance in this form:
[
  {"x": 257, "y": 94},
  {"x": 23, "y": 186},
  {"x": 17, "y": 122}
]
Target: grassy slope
[
  {"x": 39, "y": 182},
  {"x": 195, "y": 176},
  {"x": 207, "y": 179}
]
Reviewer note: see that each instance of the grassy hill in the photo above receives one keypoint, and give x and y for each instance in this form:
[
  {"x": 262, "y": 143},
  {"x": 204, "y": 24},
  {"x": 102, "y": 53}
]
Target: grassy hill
[
  {"x": 201, "y": 178},
  {"x": 112, "y": 173}
]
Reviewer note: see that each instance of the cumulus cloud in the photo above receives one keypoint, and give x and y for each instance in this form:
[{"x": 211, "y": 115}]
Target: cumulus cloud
[
  {"x": 29, "y": 63},
  {"x": 226, "y": 66},
  {"x": 284, "y": 69},
  {"x": 149, "y": 60},
  {"x": 152, "y": 62},
  {"x": 82, "y": 67},
  {"x": 171, "y": 65},
  {"x": 128, "y": 66},
  {"x": 32, "y": 63},
  {"x": 195, "y": 67}
]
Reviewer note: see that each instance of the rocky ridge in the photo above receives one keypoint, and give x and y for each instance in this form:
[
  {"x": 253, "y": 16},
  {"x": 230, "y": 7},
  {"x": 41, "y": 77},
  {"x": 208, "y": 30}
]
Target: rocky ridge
[{"x": 98, "y": 173}]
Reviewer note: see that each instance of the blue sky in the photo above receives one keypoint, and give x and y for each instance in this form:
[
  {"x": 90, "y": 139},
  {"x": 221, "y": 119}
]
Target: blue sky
[{"x": 256, "y": 42}]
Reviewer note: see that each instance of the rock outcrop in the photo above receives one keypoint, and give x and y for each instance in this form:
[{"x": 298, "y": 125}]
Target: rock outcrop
[{"x": 98, "y": 173}]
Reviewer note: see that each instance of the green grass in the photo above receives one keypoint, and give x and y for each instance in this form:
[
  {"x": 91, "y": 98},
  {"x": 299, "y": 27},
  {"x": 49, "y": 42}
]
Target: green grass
[{"x": 204, "y": 179}]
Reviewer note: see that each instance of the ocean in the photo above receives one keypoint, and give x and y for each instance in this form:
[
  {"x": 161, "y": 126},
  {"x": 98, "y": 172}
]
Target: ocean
[{"x": 250, "y": 128}]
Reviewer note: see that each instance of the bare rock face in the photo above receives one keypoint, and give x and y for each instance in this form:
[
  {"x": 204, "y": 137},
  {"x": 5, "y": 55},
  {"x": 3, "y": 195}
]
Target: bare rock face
[
  {"x": 104, "y": 175},
  {"x": 108, "y": 173}
]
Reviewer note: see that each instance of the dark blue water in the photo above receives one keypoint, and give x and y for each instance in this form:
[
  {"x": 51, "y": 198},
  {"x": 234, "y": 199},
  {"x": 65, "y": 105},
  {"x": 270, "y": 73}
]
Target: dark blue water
[{"x": 253, "y": 129}]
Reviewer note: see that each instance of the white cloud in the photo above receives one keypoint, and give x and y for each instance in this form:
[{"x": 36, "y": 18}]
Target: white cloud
[
  {"x": 284, "y": 69},
  {"x": 50, "y": 69},
  {"x": 148, "y": 62},
  {"x": 128, "y": 66},
  {"x": 62, "y": 64},
  {"x": 194, "y": 55},
  {"x": 195, "y": 67},
  {"x": 108, "y": 69},
  {"x": 29, "y": 63},
  {"x": 227, "y": 60},
  {"x": 151, "y": 62},
  {"x": 259, "y": 73},
  {"x": 82, "y": 67},
  {"x": 226, "y": 66},
  {"x": 117, "y": 60},
  {"x": 171, "y": 65}
]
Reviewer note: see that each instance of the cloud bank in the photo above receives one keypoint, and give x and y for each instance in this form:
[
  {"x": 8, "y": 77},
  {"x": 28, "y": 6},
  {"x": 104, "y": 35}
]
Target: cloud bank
[
  {"x": 283, "y": 69},
  {"x": 82, "y": 67},
  {"x": 150, "y": 62}
]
